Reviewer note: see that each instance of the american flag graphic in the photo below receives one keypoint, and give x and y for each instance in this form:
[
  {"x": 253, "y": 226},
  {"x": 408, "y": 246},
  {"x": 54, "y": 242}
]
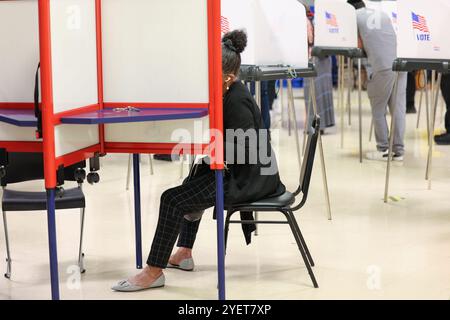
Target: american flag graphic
[
  {"x": 419, "y": 23},
  {"x": 394, "y": 17},
  {"x": 331, "y": 19},
  {"x": 224, "y": 24}
]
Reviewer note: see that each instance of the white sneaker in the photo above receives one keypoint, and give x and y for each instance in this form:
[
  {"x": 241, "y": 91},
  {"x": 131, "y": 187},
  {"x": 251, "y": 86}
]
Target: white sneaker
[
  {"x": 383, "y": 156},
  {"x": 377, "y": 155}
]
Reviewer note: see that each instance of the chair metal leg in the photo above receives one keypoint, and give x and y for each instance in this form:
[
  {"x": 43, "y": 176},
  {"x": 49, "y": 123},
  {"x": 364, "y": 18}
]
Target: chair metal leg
[
  {"x": 8, "y": 253},
  {"x": 227, "y": 229},
  {"x": 150, "y": 158},
  {"x": 80, "y": 250},
  {"x": 302, "y": 250},
  {"x": 130, "y": 161},
  {"x": 301, "y": 238}
]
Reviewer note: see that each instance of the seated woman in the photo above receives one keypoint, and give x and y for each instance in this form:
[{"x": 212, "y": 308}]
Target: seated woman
[{"x": 245, "y": 181}]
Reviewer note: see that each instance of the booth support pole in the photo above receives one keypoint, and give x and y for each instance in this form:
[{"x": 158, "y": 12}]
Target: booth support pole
[
  {"x": 349, "y": 92},
  {"x": 391, "y": 142},
  {"x": 220, "y": 233},
  {"x": 420, "y": 108},
  {"x": 52, "y": 243},
  {"x": 137, "y": 210},
  {"x": 322, "y": 156},
  {"x": 45, "y": 53},
  {"x": 294, "y": 116},
  {"x": 360, "y": 111},
  {"x": 341, "y": 97},
  {"x": 427, "y": 106},
  {"x": 308, "y": 111},
  {"x": 433, "y": 123}
]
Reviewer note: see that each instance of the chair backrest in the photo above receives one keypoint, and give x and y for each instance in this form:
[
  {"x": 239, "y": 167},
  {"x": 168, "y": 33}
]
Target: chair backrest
[
  {"x": 308, "y": 160},
  {"x": 23, "y": 167}
]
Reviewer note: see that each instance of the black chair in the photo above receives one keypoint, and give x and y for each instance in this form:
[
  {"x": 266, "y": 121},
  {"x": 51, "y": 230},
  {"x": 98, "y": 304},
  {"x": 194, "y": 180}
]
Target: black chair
[
  {"x": 23, "y": 167},
  {"x": 284, "y": 203}
]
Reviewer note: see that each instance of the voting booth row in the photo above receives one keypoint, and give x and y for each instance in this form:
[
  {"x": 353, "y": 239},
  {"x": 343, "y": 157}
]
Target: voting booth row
[{"x": 112, "y": 78}]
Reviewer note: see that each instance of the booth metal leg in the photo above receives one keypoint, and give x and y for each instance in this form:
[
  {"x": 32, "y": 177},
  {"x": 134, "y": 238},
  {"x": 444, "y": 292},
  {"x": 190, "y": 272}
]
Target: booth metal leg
[
  {"x": 220, "y": 233},
  {"x": 360, "y": 111},
  {"x": 150, "y": 159},
  {"x": 427, "y": 105},
  {"x": 419, "y": 112},
  {"x": 130, "y": 164},
  {"x": 137, "y": 209},
  {"x": 294, "y": 116},
  {"x": 391, "y": 142},
  {"x": 432, "y": 125},
  {"x": 341, "y": 97},
  {"x": 322, "y": 157},
  {"x": 305, "y": 131},
  {"x": 349, "y": 91},
  {"x": 52, "y": 243},
  {"x": 372, "y": 127}
]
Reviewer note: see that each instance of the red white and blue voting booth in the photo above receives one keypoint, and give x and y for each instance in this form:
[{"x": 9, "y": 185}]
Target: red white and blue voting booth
[{"x": 115, "y": 76}]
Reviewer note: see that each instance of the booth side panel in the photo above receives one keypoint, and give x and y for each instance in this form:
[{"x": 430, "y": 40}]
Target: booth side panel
[
  {"x": 155, "y": 51},
  {"x": 74, "y": 64},
  {"x": 19, "y": 51},
  {"x": 335, "y": 24}
]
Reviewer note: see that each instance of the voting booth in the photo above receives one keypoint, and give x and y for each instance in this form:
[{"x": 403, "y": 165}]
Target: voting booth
[
  {"x": 115, "y": 77},
  {"x": 336, "y": 30},
  {"x": 422, "y": 44},
  {"x": 336, "y": 33},
  {"x": 271, "y": 26}
]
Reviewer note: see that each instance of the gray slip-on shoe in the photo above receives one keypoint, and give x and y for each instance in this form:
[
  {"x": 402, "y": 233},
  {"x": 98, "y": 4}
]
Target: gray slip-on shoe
[
  {"x": 126, "y": 286},
  {"x": 185, "y": 265}
]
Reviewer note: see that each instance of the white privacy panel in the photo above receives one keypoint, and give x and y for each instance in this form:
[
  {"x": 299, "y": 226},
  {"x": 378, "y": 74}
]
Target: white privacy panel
[
  {"x": 155, "y": 51},
  {"x": 74, "y": 54},
  {"x": 276, "y": 30},
  {"x": 335, "y": 24},
  {"x": 71, "y": 138},
  {"x": 176, "y": 131},
  {"x": 243, "y": 19},
  {"x": 9, "y": 132},
  {"x": 19, "y": 50},
  {"x": 422, "y": 31},
  {"x": 388, "y": 7}
]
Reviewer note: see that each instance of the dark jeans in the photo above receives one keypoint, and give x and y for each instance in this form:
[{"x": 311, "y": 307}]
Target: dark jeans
[
  {"x": 445, "y": 87},
  {"x": 411, "y": 90},
  {"x": 268, "y": 96}
]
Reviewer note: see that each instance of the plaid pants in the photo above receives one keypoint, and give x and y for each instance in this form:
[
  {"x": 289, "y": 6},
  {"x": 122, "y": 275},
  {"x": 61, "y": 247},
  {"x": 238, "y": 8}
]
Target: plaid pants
[{"x": 195, "y": 195}]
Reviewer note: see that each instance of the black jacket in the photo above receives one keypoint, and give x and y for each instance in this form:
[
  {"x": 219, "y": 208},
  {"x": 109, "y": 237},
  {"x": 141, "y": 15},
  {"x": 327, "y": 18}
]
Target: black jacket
[{"x": 258, "y": 177}]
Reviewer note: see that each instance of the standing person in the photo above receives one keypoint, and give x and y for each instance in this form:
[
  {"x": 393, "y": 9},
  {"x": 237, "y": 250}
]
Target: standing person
[
  {"x": 244, "y": 182},
  {"x": 323, "y": 84},
  {"x": 380, "y": 45},
  {"x": 444, "y": 139}
]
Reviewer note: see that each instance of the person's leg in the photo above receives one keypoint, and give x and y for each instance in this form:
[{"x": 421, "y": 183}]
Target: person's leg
[
  {"x": 198, "y": 194},
  {"x": 399, "y": 103},
  {"x": 445, "y": 88},
  {"x": 379, "y": 88},
  {"x": 411, "y": 93},
  {"x": 444, "y": 139},
  {"x": 186, "y": 242},
  {"x": 265, "y": 105}
]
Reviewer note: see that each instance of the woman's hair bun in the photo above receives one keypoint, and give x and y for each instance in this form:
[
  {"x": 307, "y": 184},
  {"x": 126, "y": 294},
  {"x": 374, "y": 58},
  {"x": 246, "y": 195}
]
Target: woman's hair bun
[{"x": 235, "y": 40}]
